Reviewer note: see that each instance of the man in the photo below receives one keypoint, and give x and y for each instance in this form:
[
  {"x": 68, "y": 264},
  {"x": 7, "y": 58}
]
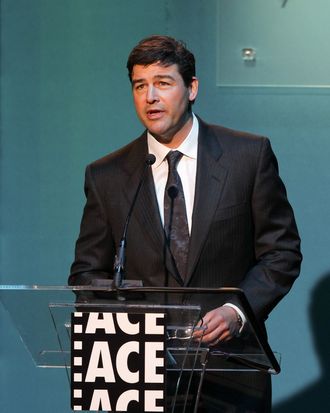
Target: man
[{"x": 241, "y": 228}]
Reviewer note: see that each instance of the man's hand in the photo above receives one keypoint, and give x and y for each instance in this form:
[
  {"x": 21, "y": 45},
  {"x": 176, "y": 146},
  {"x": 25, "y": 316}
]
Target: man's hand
[{"x": 221, "y": 325}]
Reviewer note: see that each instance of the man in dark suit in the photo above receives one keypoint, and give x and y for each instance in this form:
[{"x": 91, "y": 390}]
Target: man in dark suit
[{"x": 241, "y": 227}]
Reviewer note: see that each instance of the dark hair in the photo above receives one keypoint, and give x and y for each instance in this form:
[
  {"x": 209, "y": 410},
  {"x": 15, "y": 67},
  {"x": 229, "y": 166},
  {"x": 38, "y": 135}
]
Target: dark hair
[{"x": 165, "y": 50}]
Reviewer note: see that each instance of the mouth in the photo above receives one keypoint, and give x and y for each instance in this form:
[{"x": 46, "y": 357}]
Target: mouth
[{"x": 154, "y": 113}]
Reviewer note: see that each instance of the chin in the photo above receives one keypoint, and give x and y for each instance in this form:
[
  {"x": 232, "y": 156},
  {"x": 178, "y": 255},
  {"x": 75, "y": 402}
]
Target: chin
[{"x": 158, "y": 133}]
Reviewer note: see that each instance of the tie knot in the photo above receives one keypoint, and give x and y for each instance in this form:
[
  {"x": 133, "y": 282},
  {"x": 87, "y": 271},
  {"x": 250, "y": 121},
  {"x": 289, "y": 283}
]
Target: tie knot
[{"x": 173, "y": 158}]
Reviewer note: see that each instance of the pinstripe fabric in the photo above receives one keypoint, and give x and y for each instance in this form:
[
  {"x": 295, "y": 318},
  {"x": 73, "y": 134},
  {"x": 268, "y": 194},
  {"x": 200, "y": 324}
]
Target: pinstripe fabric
[{"x": 243, "y": 229}]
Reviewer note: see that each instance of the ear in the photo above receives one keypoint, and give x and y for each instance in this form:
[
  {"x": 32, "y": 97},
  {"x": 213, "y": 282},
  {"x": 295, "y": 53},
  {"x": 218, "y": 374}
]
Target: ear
[{"x": 193, "y": 89}]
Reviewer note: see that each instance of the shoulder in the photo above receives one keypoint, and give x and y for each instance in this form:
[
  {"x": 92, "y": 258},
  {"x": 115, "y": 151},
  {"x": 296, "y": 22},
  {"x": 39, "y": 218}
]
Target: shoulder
[
  {"x": 232, "y": 144},
  {"x": 123, "y": 159},
  {"x": 230, "y": 136}
]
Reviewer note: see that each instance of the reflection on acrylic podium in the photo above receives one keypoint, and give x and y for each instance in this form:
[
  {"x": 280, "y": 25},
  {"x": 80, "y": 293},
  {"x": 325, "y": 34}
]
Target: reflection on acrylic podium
[{"x": 132, "y": 349}]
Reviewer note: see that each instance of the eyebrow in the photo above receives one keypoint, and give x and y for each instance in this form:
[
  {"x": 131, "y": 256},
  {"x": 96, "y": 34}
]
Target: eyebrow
[{"x": 157, "y": 77}]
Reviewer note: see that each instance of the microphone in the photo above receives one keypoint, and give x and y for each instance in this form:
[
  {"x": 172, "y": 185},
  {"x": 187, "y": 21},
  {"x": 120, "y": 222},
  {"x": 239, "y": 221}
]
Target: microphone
[
  {"x": 119, "y": 264},
  {"x": 173, "y": 191}
]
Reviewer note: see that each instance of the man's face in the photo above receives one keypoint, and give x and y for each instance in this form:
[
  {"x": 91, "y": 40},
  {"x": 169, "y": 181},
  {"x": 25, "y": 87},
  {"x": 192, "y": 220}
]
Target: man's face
[{"x": 162, "y": 100}]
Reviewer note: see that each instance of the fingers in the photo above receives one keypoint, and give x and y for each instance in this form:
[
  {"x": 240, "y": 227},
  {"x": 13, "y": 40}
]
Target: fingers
[
  {"x": 210, "y": 330},
  {"x": 217, "y": 325}
]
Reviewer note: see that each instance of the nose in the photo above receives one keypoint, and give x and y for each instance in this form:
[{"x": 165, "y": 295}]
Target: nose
[{"x": 152, "y": 95}]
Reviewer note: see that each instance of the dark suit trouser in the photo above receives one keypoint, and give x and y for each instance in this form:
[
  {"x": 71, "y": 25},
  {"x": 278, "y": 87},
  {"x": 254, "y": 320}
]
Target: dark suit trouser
[
  {"x": 236, "y": 392},
  {"x": 230, "y": 392}
]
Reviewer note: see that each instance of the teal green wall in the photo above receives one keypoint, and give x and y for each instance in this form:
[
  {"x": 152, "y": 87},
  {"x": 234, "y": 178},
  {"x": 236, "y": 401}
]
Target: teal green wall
[{"x": 65, "y": 101}]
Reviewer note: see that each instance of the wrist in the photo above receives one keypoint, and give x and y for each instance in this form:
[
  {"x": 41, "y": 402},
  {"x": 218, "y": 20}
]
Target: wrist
[{"x": 240, "y": 318}]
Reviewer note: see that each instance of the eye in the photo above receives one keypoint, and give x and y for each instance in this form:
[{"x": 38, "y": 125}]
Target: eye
[
  {"x": 139, "y": 86},
  {"x": 162, "y": 83}
]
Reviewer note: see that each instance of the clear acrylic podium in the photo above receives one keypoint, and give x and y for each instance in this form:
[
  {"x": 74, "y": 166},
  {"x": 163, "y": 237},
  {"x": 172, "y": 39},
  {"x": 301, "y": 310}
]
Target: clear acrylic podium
[{"x": 42, "y": 316}]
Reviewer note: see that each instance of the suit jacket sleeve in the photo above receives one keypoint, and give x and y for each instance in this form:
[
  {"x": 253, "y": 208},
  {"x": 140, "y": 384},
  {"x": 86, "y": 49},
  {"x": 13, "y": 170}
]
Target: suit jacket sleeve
[
  {"x": 95, "y": 250},
  {"x": 277, "y": 243}
]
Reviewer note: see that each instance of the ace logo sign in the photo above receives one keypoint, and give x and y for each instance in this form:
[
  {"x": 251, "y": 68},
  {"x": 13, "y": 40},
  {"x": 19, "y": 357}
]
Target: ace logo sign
[{"x": 118, "y": 362}]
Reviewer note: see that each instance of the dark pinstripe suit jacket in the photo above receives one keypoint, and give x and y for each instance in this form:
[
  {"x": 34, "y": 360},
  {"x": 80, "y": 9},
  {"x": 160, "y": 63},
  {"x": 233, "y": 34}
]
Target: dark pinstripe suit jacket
[{"x": 243, "y": 228}]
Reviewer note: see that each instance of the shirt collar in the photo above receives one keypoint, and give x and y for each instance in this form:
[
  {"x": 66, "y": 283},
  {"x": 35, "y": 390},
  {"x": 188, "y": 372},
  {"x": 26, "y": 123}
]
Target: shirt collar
[{"x": 188, "y": 147}]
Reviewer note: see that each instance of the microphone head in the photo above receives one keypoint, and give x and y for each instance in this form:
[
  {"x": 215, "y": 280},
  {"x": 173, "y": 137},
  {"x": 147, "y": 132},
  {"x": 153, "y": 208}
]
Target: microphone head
[
  {"x": 173, "y": 191},
  {"x": 150, "y": 159}
]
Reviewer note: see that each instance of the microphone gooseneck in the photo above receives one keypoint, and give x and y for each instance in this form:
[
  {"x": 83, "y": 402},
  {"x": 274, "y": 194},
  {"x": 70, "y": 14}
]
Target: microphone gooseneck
[{"x": 119, "y": 264}]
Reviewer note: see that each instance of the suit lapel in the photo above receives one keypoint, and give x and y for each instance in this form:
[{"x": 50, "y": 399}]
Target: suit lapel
[
  {"x": 146, "y": 209},
  {"x": 210, "y": 180}
]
